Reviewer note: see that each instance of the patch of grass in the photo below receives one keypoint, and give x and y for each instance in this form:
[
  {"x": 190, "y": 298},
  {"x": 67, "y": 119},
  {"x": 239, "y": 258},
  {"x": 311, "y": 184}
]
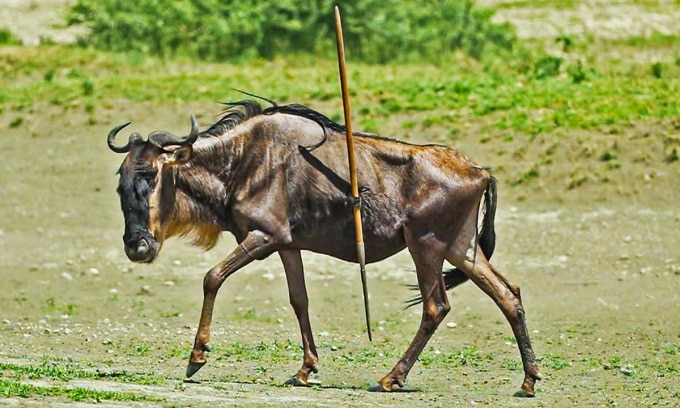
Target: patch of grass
[
  {"x": 554, "y": 361},
  {"x": 47, "y": 370},
  {"x": 512, "y": 365},
  {"x": 655, "y": 40},
  {"x": 143, "y": 349},
  {"x": 592, "y": 362},
  {"x": 552, "y": 4},
  {"x": 7, "y": 38},
  {"x": 11, "y": 388},
  {"x": 52, "y": 305},
  {"x": 548, "y": 66},
  {"x": 606, "y": 93},
  {"x": 657, "y": 69},
  {"x": 133, "y": 378},
  {"x": 527, "y": 176},
  {"x": 251, "y": 314},
  {"x": 16, "y": 122},
  {"x": 273, "y": 353},
  {"x": 177, "y": 352},
  {"x": 70, "y": 370},
  {"x": 467, "y": 356}
]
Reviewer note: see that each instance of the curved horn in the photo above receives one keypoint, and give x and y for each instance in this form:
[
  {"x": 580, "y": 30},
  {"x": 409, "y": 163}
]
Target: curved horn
[
  {"x": 112, "y": 136},
  {"x": 162, "y": 139}
]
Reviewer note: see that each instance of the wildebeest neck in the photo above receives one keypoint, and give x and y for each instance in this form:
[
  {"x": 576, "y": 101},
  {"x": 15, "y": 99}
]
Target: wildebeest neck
[{"x": 203, "y": 190}]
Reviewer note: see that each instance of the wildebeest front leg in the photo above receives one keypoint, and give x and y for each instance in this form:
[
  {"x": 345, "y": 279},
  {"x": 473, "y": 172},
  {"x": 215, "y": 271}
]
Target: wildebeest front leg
[
  {"x": 255, "y": 245},
  {"x": 428, "y": 257},
  {"x": 297, "y": 291}
]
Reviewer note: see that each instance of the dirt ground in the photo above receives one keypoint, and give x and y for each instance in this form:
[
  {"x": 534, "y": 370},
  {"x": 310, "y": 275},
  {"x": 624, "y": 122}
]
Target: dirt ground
[{"x": 598, "y": 265}]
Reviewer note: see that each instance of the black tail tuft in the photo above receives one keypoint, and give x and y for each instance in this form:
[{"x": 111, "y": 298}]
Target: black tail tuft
[{"x": 487, "y": 241}]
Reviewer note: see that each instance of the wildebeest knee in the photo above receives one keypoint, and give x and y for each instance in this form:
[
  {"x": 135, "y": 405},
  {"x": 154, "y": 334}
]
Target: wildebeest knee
[
  {"x": 212, "y": 281},
  {"x": 436, "y": 311},
  {"x": 515, "y": 290}
]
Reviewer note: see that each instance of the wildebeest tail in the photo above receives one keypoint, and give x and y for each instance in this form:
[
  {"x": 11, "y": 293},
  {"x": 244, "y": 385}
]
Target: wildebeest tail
[{"x": 487, "y": 242}]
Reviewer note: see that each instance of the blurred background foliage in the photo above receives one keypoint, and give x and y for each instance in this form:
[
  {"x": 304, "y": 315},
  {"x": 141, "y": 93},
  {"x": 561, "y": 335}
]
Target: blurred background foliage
[{"x": 376, "y": 31}]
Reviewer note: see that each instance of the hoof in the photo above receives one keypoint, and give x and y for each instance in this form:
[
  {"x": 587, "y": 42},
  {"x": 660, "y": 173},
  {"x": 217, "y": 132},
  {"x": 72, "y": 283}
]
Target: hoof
[
  {"x": 524, "y": 394},
  {"x": 377, "y": 388},
  {"x": 296, "y": 382},
  {"x": 192, "y": 368}
]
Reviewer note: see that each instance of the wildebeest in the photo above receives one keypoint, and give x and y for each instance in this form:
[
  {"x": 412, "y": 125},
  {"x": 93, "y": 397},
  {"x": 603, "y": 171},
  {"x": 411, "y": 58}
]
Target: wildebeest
[{"x": 277, "y": 179}]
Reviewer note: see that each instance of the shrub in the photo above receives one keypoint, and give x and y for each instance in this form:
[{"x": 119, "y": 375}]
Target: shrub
[
  {"x": 217, "y": 30},
  {"x": 548, "y": 66},
  {"x": 7, "y": 38}
]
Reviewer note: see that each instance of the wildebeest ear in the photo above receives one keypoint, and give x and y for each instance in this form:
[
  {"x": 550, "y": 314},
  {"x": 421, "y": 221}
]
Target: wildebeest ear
[{"x": 180, "y": 155}]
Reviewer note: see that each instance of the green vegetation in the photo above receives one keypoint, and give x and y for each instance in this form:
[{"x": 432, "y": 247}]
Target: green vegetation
[
  {"x": 210, "y": 30},
  {"x": 6, "y": 37},
  {"x": 69, "y": 370},
  {"x": 10, "y": 388},
  {"x": 514, "y": 96},
  {"x": 13, "y": 383}
]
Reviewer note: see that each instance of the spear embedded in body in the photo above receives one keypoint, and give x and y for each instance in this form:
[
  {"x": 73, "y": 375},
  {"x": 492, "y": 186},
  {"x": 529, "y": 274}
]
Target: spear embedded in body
[{"x": 361, "y": 253}]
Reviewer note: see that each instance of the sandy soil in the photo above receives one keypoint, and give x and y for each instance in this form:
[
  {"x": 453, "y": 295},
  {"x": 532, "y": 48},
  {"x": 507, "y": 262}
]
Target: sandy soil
[
  {"x": 603, "y": 19},
  {"x": 598, "y": 265}
]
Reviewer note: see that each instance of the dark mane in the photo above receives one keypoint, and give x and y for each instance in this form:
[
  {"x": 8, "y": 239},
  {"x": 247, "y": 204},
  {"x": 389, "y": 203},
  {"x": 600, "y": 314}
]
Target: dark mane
[
  {"x": 236, "y": 113},
  {"x": 324, "y": 121},
  {"x": 243, "y": 110}
]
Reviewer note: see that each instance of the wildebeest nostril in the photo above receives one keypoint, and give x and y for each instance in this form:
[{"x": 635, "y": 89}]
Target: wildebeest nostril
[
  {"x": 143, "y": 247},
  {"x": 140, "y": 251}
]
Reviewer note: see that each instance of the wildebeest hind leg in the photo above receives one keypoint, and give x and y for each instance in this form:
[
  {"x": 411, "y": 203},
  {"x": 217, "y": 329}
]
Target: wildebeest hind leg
[
  {"x": 297, "y": 292},
  {"x": 507, "y": 297},
  {"x": 255, "y": 245},
  {"x": 428, "y": 256}
]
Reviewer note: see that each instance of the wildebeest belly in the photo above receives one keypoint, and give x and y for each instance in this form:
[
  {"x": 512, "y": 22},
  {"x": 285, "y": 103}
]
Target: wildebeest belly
[{"x": 327, "y": 226}]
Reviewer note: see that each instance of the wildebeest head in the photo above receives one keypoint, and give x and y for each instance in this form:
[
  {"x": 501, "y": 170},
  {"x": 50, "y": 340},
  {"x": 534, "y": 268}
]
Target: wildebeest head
[{"x": 143, "y": 173}]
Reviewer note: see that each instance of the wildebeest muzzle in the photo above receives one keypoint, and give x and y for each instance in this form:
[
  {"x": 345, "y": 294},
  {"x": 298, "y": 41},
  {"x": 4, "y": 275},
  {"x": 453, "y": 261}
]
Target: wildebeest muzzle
[{"x": 140, "y": 247}]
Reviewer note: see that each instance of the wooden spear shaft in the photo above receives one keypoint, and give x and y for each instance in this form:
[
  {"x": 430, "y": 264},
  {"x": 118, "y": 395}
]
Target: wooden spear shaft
[{"x": 361, "y": 253}]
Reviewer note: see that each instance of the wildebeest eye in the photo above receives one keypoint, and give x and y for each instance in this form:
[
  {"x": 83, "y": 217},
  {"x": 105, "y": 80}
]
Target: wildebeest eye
[{"x": 147, "y": 173}]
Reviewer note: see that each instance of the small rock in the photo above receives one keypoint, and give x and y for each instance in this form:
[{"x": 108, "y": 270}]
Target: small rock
[
  {"x": 177, "y": 262},
  {"x": 334, "y": 348},
  {"x": 67, "y": 276},
  {"x": 145, "y": 290},
  {"x": 93, "y": 271},
  {"x": 168, "y": 283},
  {"x": 451, "y": 325},
  {"x": 113, "y": 291},
  {"x": 627, "y": 238},
  {"x": 625, "y": 371},
  {"x": 106, "y": 342},
  {"x": 6, "y": 321}
]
